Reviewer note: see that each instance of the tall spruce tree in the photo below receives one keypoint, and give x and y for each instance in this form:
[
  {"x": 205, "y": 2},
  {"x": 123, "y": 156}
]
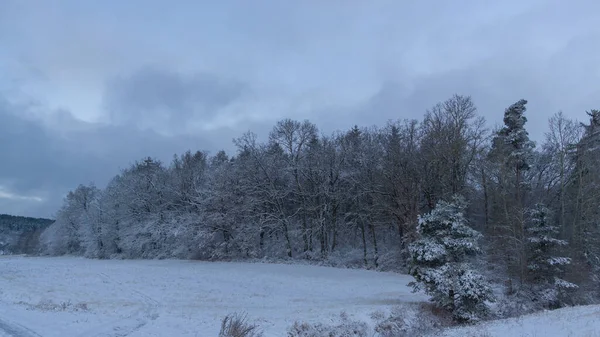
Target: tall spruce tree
[{"x": 512, "y": 153}]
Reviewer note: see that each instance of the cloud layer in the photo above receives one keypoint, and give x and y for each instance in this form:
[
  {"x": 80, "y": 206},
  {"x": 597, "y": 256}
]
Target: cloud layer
[
  {"x": 159, "y": 99},
  {"x": 89, "y": 87}
]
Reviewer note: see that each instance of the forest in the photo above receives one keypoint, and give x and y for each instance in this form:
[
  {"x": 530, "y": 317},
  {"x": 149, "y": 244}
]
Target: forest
[
  {"x": 20, "y": 235},
  {"x": 412, "y": 195}
]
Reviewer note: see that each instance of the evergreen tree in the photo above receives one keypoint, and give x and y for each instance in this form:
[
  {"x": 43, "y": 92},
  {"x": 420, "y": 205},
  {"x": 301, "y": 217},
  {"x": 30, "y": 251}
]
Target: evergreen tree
[
  {"x": 513, "y": 139},
  {"x": 546, "y": 269},
  {"x": 512, "y": 153},
  {"x": 440, "y": 262}
]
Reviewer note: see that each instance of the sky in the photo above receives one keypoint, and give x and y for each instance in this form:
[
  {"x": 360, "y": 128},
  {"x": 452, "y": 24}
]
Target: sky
[{"x": 88, "y": 87}]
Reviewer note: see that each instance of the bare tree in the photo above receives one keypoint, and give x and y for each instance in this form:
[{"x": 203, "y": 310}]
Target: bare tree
[
  {"x": 294, "y": 137},
  {"x": 560, "y": 145},
  {"x": 453, "y": 135}
]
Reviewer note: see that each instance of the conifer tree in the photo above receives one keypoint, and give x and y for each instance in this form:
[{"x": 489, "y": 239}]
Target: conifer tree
[
  {"x": 440, "y": 262},
  {"x": 512, "y": 153},
  {"x": 545, "y": 268}
]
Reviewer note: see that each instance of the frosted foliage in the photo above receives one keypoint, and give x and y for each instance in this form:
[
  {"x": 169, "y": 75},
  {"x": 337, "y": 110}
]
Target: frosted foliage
[
  {"x": 472, "y": 293},
  {"x": 445, "y": 229},
  {"x": 546, "y": 240},
  {"x": 558, "y": 261},
  {"x": 560, "y": 283},
  {"x": 439, "y": 262},
  {"x": 428, "y": 251}
]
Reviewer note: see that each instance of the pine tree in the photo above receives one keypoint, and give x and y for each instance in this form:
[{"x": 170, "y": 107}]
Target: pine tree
[
  {"x": 545, "y": 268},
  {"x": 440, "y": 262},
  {"x": 513, "y": 139}
]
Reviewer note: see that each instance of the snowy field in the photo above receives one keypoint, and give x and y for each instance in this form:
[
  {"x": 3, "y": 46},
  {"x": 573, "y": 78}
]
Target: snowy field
[{"x": 80, "y": 297}]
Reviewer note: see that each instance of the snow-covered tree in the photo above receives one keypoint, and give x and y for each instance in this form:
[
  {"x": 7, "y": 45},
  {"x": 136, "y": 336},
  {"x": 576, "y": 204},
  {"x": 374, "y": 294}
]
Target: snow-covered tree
[
  {"x": 224, "y": 231},
  {"x": 440, "y": 262},
  {"x": 111, "y": 216},
  {"x": 546, "y": 269},
  {"x": 188, "y": 176},
  {"x": 513, "y": 139},
  {"x": 74, "y": 231}
]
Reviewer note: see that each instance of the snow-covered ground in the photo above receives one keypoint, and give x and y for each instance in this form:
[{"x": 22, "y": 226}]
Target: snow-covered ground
[
  {"x": 583, "y": 321},
  {"x": 80, "y": 297}
]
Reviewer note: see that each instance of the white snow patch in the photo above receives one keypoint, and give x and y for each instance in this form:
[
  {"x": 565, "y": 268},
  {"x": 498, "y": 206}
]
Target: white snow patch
[{"x": 582, "y": 321}]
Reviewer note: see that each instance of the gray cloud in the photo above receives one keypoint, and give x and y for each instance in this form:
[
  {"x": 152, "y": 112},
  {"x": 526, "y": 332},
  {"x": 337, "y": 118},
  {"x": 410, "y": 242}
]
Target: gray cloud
[
  {"x": 165, "y": 100},
  {"x": 39, "y": 162},
  {"x": 551, "y": 82}
]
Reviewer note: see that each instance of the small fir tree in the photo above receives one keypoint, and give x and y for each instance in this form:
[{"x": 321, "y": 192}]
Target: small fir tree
[
  {"x": 439, "y": 262},
  {"x": 545, "y": 267}
]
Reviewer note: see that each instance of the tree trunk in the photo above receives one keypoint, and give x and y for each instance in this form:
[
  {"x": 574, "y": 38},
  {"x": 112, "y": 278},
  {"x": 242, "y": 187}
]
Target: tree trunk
[
  {"x": 287, "y": 239},
  {"x": 262, "y": 239},
  {"x": 324, "y": 239},
  {"x": 334, "y": 228},
  {"x": 364, "y": 242},
  {"x": 305, "y": 233},
  {"x": 376, "y": 252},
  {"x": 485, "y": 200}
]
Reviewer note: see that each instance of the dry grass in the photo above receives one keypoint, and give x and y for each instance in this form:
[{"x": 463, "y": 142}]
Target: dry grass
[
  {"x": 49, "y": 305},
  {"x": 237, "y": 325}
]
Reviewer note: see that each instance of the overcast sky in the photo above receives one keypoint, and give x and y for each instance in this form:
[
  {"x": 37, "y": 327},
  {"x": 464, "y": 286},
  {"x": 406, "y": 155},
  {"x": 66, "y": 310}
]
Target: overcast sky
[{"x": 87, "y": 87}]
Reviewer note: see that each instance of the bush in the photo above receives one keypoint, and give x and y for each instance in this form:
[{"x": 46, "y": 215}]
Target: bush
[
  {"x": 345, "y": 328},
  {"x": 392, "y": 326},
  {"x": 237, "y": 325},
  {"x": 415, "y": 319}
]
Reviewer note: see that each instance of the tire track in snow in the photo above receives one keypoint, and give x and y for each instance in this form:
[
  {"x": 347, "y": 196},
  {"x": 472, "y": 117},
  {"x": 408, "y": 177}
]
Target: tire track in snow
[
  {"x": 13, "y": 329},
  {"x": 16, "y": 330},
  {"x": 123, "y": 327}
]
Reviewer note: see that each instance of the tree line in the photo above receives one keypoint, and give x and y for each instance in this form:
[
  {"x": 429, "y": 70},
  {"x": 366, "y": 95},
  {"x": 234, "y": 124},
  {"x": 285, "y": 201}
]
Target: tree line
[
  {"x": 20, "y": 235},
  {"x": 358, "y": 197}
]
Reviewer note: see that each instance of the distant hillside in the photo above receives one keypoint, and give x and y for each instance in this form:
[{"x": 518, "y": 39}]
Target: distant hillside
[{"x": 20, "y": 235}]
